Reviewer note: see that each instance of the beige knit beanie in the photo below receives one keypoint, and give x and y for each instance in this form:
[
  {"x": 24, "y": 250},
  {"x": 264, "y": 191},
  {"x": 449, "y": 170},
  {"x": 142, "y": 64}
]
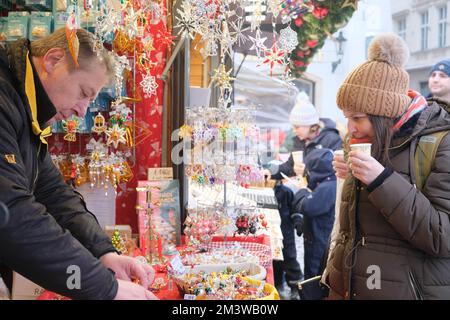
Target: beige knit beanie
[{"x": 380, "y": 85}]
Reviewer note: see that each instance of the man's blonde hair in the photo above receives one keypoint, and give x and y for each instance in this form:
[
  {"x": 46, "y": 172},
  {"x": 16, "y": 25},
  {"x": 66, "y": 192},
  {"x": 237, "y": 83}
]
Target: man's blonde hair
[{"x": 86, "y": 53}]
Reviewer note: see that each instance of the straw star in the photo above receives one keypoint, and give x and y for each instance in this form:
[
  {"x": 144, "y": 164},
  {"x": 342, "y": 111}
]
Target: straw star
[
  {"x": 273, "y": 57},
  {"x": 222, "y": 77},
  {"x": 258, "y": 43},
  {"x": 115, "y": 136}
]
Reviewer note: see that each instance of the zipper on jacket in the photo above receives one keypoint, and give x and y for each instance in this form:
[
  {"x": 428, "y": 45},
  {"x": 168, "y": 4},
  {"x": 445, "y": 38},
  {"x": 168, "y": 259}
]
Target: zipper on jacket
[
  {"x": 418, "y": 295},
  {"x": 356, "y": 240},
  {"x": 37, "y": 166}
]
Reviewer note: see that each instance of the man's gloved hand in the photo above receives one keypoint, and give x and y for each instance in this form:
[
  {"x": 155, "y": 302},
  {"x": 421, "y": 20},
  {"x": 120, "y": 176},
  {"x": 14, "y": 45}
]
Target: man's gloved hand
[
  {"x": 299, "y": 227},
  {"x": 297, "y": 220}
]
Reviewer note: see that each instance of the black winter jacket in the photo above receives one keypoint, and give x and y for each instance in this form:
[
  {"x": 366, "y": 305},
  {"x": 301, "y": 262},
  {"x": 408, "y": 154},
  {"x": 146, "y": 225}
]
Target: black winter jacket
[
  {"x": 316, "y": 205},
  {"x": 49, "y": 228}
]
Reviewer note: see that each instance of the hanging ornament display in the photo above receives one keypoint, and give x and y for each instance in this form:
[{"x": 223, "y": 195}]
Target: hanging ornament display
[
  {"x": 273, "y": 57},
  {"x": 258, "y": 43},
  {"x": 149, "y": 85},
  {"x": 116, "y": 135},
  {"x": 137, "y": 33},
  {"x": 72, "y": 39},
  {"x": 99, "y": 124},
  {"x": 201, "y": 224},
  {"x": 288, "y": 39},
  {"x": 71, "y": 126}
]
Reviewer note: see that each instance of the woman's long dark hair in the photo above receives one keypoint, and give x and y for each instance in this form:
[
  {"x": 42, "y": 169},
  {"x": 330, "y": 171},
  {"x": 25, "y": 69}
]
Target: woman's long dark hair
[{"x": 382, "y": 127}]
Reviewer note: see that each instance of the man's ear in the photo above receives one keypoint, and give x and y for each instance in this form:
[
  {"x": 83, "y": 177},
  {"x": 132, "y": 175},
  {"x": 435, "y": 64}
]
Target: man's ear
[{"x": 52, "y": 58}]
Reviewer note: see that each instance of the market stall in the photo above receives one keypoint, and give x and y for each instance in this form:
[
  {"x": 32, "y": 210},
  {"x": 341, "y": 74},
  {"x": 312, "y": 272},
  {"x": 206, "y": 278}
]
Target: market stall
[{"x": 190, "y": 208}]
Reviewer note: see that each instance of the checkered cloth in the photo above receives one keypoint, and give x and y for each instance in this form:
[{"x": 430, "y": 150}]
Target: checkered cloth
[{"x": 262, "y": 251}]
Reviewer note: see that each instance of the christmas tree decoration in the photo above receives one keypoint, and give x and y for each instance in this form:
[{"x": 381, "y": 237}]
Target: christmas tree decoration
[
  {"x": 292, "y": 9},
  {"x": 118, "y": 242},
  {"x": 274, "y": 6}
]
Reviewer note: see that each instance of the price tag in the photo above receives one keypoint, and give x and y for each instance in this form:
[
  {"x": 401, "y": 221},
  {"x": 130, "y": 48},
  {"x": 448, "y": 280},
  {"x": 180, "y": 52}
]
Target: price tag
[
  {"x": 177, "y": 265},
  {"x": 261, "y": 286}
]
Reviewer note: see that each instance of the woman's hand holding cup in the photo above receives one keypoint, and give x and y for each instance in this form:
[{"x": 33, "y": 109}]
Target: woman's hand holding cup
[{"x": 339, "y": 164}]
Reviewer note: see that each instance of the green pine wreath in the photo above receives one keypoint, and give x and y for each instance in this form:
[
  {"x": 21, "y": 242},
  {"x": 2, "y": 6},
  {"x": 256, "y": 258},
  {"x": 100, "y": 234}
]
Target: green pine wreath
[{"x": 314, "y": 27}]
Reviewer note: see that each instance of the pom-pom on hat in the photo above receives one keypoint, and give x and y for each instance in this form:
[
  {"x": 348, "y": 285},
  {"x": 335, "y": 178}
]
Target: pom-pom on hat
[
  {"x": 303, "y": 113},
  {"x": 380, "y": 85}
]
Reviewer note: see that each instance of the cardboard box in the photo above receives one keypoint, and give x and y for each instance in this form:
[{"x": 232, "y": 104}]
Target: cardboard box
[{"x": 24, "y": 289}]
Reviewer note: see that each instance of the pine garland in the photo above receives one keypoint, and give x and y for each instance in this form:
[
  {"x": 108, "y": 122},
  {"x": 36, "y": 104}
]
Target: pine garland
[{"x": 314, "y": 27}]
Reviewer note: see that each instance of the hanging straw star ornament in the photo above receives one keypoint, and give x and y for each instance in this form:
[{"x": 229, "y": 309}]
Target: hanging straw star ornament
[
  {"x": 115, "y": 136},
  {"x": 273, "y": 57},
  {"x": 222, "y": 78},
  {"x": 258, "y": 43},
  {"x": 239, "y": 32},
  {"x": 186, "y": 19},
  {"x": 226, "y": 40},
  {"x": 164, "y": 37}
]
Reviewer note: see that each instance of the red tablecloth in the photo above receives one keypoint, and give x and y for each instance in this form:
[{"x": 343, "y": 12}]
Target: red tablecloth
[
  {"x": 170, "y": 290},
  {"x": 173, "y": 293}
]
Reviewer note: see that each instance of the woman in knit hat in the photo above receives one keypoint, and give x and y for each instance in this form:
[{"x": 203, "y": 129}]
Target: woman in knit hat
[{"x": 394, "y": 237}]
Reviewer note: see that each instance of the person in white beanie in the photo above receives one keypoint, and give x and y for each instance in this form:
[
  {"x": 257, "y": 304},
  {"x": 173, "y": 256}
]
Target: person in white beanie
[{"x": 311, "y": 133}]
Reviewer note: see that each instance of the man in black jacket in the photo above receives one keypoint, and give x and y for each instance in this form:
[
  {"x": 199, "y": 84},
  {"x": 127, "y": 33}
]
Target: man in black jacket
[{"x": 50, "y": 237}]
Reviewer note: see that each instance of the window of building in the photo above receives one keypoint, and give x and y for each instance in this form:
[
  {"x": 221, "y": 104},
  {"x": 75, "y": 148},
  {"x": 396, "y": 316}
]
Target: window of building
[
  {"x": 424, "y": 30},
  {"x": 424, "y": 90},
  {"x": 401, "y": 28},
  {"x": 442, "y": 27}
]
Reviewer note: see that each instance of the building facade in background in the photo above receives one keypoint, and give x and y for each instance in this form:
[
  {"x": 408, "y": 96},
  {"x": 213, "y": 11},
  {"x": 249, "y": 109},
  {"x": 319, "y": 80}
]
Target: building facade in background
[{"x": 424, "y": 24}]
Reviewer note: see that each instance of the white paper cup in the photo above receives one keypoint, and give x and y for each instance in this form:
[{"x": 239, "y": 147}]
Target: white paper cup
[
  {"x": 297, "y": 156},
  {"x": 364, "y": 147}
]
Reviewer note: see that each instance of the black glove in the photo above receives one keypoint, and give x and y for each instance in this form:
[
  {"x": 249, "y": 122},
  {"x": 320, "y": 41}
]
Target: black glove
[
  {"x": 297, "y": 220},
  {"x": 299, "y": 227}
]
